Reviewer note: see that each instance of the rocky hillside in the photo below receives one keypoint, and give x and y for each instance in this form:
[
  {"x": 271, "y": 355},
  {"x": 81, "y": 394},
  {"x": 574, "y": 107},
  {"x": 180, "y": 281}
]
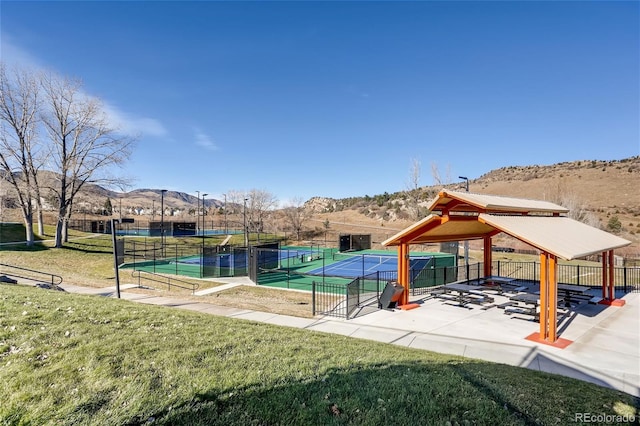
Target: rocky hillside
[{"x": 606, "y": 193}]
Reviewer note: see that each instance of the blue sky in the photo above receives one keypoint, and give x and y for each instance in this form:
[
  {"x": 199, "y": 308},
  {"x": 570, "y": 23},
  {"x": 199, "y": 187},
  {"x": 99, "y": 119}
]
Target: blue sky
[{"x": 337, "y": 99}]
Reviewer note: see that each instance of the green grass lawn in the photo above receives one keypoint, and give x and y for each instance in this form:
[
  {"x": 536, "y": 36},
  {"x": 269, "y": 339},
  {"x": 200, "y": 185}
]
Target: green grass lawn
[
  {"x": 71, "y": 359},
  {"x": 15, "y": 232}
]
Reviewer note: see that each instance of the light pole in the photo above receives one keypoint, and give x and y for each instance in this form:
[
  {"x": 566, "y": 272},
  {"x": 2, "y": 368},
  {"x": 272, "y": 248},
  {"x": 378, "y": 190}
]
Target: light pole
[
  {"x": 198, "y": 213},
  {"x": 203, "y": 210},
  {"x": 244, "y": 214},
  {"x": 153, "y": 210},
  {"x": 162, "y": 191},
  {"x": 203, "y": 195},
  {"x": 466, "y": 243},
  {"x": 466, "y": 179},
  {"x": 226, "y": 231}
]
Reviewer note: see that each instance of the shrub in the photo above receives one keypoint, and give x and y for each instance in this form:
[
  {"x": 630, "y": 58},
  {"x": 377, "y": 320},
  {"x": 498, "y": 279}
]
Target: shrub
[{"x": 614, "y": 224}]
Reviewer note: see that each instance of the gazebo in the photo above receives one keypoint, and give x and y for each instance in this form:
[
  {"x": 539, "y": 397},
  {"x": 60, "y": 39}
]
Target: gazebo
[{"x": 463, "y": 216}]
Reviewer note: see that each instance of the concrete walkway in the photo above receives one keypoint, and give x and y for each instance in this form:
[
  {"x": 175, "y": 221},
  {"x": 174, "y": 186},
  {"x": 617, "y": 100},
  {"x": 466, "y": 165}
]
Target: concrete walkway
[{"x": 605, "y": 348}]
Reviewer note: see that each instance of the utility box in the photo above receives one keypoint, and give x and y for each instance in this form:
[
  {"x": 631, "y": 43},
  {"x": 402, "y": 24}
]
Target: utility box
[{"x": 390, "y": 295}]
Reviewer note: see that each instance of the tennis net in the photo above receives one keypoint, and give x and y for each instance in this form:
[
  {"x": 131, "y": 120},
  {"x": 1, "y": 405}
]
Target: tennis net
[{"x": 375, "y": 259}]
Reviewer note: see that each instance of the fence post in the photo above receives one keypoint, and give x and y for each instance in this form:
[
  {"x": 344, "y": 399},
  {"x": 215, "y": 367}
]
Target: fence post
[
  {"x": 578, "y": 273},
  {"x": 313, "y": 298},
  {"x": 346, "y": 297},
  {"x": 624, "y": 275}
]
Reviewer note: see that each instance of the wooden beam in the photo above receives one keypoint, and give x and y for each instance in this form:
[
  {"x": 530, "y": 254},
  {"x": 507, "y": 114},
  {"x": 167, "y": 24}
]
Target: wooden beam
[
  {"x": 487, "y": 256},
  {"x": 553, "y": 298},
  {"x": 549, "y": 300},
  {"x": 612, "y": 288},
  {"x": 605, "y": 276},
  {"x": 405, "y": 271},
  {"x": 544, "y": 293},
  {"x": 409, "y": 237}
]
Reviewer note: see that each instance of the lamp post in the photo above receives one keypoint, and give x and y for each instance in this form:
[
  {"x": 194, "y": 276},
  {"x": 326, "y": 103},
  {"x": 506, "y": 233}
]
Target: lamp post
[
  {"x": 226, "y": 231},
  {"x": 203, "y": 256},
  {"x": 198, "y": 213},
  {"x": 244, "y": 214},
  {"x": 466, "y": 243},
  {"x": 203, "y": 210},
  {"x": 162, "y": 191},
  {"x": 466, "y": 179},
  {"x": 153, "y": 210}
]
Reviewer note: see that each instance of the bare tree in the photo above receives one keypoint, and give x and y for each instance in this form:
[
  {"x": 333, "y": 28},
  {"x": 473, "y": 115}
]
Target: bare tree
[
  {"x": 413, "y": 189},
  {"x": 447, "y": 175},
  {"x": 296, "y": 215},
  {"x": 21, "y": 150},
  {"x": 234, "y": 206},
  {"x": 235, "y": 200},
  {"x": 577, "y": 208},
  {"x": 326, "y": 224},
  {"x": 435, "y": 174},
  {"x": 85, "y": 147},
  {"x": 259, "y": 203}
]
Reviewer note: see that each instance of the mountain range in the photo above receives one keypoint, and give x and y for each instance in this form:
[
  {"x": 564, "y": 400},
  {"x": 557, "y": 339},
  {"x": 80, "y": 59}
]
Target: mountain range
[{"x": 604, "y": 189}]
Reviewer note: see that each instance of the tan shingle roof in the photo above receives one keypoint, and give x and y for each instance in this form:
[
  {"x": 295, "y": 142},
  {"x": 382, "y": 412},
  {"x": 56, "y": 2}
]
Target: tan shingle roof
[
  {"x": 558, "y": 235},
  {"x": 561, "y": 236},
  {"x": 466, "y": 201}
]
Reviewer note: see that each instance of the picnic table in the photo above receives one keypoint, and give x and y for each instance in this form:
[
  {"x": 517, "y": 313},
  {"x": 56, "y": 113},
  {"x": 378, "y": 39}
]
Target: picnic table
[
  {"x": 524, "y": 303},
  {"x": 464, "y": 294},
  {"x": 570, "y": 292},
  {"x": 500, "y": 284}
]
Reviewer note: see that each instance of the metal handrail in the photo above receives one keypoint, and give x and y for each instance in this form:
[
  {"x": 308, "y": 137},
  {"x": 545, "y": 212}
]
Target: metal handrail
[
  {"x": 53, "y": 276},
  {"x": 194, "y": 286}
]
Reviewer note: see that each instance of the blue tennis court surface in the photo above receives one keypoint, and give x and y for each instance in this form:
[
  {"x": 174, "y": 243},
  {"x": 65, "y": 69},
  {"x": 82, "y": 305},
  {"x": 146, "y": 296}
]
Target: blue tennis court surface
[{"x": 362, "y": 265}]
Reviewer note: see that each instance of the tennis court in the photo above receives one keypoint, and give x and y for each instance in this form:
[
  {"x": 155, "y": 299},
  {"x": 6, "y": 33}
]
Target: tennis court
[
  {"x": 297, "y": 268},
  {"x": 358, "y": 265},
  {"x": 195, "y": 262},
  {"x": 294, "y": 267}
]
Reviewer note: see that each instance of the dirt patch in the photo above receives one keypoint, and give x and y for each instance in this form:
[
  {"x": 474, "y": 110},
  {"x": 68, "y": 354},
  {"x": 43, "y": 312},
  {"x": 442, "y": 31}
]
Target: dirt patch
[
  {"x": 286, "y": 302},
  {"x": 263, "y": 299}
]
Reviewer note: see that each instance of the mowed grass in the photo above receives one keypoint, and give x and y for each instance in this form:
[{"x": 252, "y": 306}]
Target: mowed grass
[
  {"x": 86, "y": 259},
  {"x": 72, "y": 359}
]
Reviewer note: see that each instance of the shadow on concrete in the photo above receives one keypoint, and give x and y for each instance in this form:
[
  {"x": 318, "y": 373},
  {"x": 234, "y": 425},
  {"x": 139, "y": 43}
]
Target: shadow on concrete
[{"x": 542, "y": 362}]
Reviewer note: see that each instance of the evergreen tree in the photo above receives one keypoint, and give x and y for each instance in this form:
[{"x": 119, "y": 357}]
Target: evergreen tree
[{"x": 108, "y": 208}]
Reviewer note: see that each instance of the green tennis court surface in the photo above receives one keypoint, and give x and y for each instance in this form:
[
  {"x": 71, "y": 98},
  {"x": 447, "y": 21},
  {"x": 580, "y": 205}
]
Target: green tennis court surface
[{"x": 297, "y": 267}]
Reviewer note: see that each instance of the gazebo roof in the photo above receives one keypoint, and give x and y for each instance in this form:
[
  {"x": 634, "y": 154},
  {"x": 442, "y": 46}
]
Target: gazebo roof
[
  {"x": 465, "y": 216},
  {"x": 469, "y": 202}
]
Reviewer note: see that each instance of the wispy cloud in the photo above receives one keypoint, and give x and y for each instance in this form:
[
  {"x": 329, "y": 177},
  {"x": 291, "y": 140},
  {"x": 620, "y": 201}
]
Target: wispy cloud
[
  {"x": 12, "y": 55},
  {"x": 125, "y": 122},
  {"x": 130, "y": 124},
  {"x": 205, "y": 141}
]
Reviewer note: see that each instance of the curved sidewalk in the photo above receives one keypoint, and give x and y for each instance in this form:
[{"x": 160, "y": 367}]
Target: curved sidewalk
[{"x": 605, "y": 348}]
